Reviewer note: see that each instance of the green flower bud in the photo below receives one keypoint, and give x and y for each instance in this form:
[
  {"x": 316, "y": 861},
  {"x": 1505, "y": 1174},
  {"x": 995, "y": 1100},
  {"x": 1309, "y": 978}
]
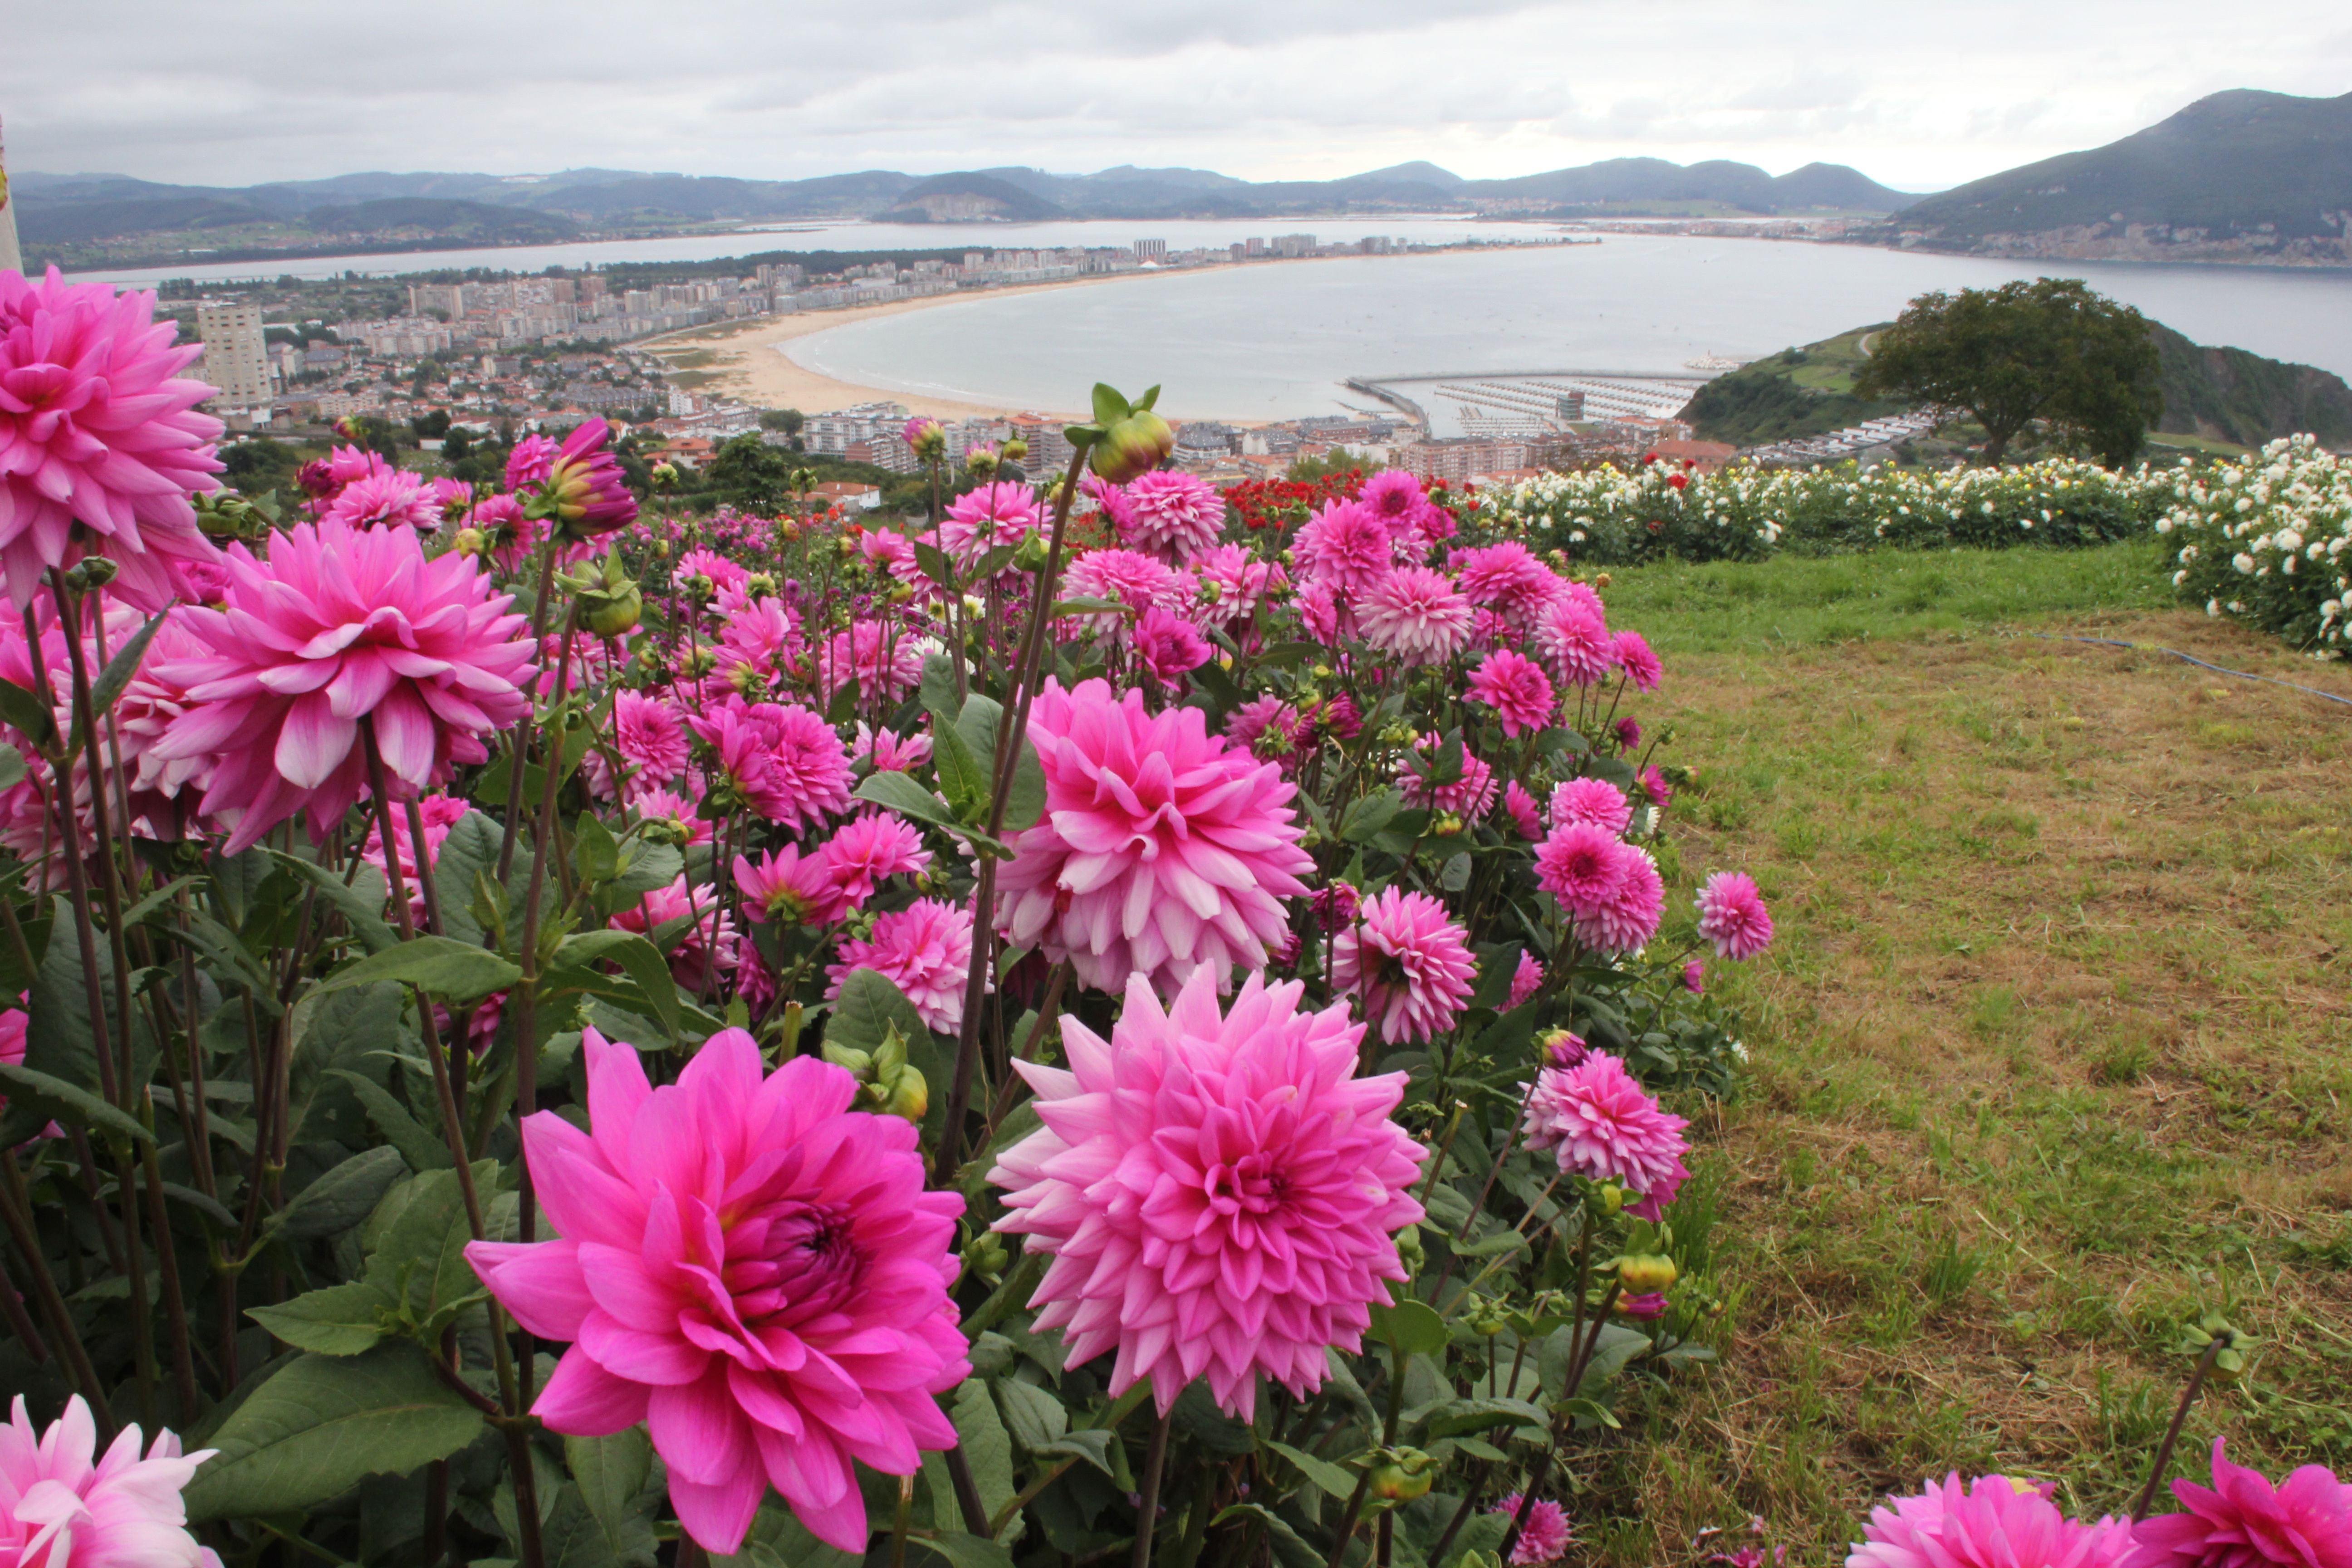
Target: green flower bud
[
  {"x": 1132, "y": 446},
  {"x": 1647, "y": 1275},
  {"x": 907, "y": 1093},
  {"x": 470, "y": 541},
  {"x": 1031, "y": 553},
  {"x": 1410, "y": 1251},
  {"x": 1403, "y": 1475},
  {"x": 611, "y": 613},
  {"x": 90, "y": 572},
  {"x": 1014, "y": 450}
]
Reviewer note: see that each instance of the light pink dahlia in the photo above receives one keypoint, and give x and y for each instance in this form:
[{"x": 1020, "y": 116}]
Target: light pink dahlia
[
  {"x": 57, "y": 1510},
  {"x": 98, "y": 427},
  {"x": 1546, "y": 1536},
  {"x": 1218, "y": 1192},
  {"x": 925, "y": 949},
  {"x": 2243, "y": 1521},
  {"x": 994, "y": 514},
  {"x": 1125, "y": 576},
  {"x": 810, "y": 766},
  {"x": 650, "y": 737},
  {"x": 1415, "y": 615},
  {"x": 337, "y": 625},
  {"x": 1731, "y": 915},
  {"x": 1591, "y": 802},
  {"x": 1993, "y": 1522},
  {"x": 1576, "y": 640},
  {"x": 1409, "y": 964},
  {"x": 1172, "y": 515},
  {"x": 1242, "y": 583},
  {"x": 1162, "y": 849},
  {"x": 889, "y": 752},
  {"x": 1525, "y": 981},
  {"x": 1515, "y": 687},
  {"x": 1468, "y": 796},
  {"x": 1602, "y": 1124},
  {"x": 393, "y": 499},
  {"x": 750, "y": 1268},
  {"x": 885, "y": 662}
]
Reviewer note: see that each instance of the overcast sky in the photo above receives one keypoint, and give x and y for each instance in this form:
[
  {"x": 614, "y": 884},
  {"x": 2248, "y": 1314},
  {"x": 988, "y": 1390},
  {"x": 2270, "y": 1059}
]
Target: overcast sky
[{"x": 1917, "y": 93}]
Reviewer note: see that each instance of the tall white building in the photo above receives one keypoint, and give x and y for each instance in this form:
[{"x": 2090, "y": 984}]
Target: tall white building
[{"x": 236, "y": 354}]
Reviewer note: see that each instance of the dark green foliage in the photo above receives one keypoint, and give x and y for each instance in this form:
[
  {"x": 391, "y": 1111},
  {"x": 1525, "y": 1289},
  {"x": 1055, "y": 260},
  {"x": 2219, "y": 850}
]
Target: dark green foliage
[
  {"x": 2229, "y": 394},
  {"x": 1759, "y": 404}
]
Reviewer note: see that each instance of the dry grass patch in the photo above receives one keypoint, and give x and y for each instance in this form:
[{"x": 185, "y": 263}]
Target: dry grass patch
[{"x": 2053, "y": 1052}]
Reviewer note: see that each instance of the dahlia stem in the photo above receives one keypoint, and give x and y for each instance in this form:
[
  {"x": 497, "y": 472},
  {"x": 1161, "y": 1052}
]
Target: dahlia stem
[
  {"x": 1462, "y": 1515},
  {"x": 2172, "y": 1433},
  {"x": 425, "y": 888},
  {"x": 1536, "y": 1478},
  {"x": 967, "y": 1491},
  {"x": 522, "y": 736},
  {"x": 12, "y": 1307},
  {"x": 1147, "y": 1506},
  {"x": 16, "y": 1209}
]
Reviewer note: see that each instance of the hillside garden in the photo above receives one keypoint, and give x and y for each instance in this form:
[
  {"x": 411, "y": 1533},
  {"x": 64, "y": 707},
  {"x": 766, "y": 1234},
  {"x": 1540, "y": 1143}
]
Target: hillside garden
[{"x": 1651, "y": 1019}]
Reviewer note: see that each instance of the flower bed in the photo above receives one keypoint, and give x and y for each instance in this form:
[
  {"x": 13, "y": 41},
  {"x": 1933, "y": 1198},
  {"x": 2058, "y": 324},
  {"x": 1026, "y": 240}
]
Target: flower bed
[{"x": 2265, "y": 542}]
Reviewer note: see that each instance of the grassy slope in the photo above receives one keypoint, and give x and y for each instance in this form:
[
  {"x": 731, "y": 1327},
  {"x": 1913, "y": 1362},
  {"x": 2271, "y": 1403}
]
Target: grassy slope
[{"x": 2051, "y": 1049}]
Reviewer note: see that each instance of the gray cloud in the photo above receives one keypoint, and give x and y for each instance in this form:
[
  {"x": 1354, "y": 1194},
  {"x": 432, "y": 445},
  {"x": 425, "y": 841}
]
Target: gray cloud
[{"x": 247, "y": 89}]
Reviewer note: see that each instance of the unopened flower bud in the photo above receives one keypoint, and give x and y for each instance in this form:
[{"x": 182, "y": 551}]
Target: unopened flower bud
[
  {"x": 907, "y": 1093},
  {"x": 1447, "y": 826},
  {"x": 1405, "y": 1473},
  {"x": 1647, "y": 1274},
  {"x": 90, "y": 572},
  {"x": 1030, "y": 554},
  {"x": 612, "y": 613},
  {"x": 664, "y": 474},
  {"x": 981, "y": 463},
  {"x": 1014, "y": 450},
  {"x": 1410, "y": 1251},
  {"x": 470, "y": 541},
  {"x": 1132, "y": 446}
]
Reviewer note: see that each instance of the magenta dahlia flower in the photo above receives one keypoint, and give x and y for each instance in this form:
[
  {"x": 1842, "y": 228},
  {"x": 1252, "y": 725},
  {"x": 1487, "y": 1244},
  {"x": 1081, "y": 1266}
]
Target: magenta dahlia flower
[
  {"x": 393, "y": 499},
  {"x": 750, "y": 1268},
  {"x": 440, "y": 814},
  {"x": 1397, "y": 498},
  {"x": 869, "y": 848},
  {"x": 1525, "y": 981},
  {"x": 1172, "y": 515},
  {"x": 1415, "y": 615},
  {"x": 1468, "y": 796},
  {"x": 1265, "y": 725},
  {"x": 1507, "y": 579},
  {"x": 650, "y": 737},
  {"x": 1543, "y": 1538},
  {"x": 1127, "y": 577},
  {"x": 788, "y": 887},
  {"x": 58, "y": 1509},
  {"x": 1408, "y": 962},
  {"x": 1162, "y": 849},
  {"x": 1524, "y": 813},
  {"x": 1591, "y": 802},
  {"x": 1346, "y": 548},
  {"x": 530, "y": 463},
  {"x": 337, "y": 625},
  {"x": 1731, "y": 915},
  {"x": 809, "y": 765},
  {"x": 1602, "y": 1124},
  {"x": 98, "y": 427},
  {"x": 994, "y": 514},
  {"x": 1574, "y": 638},
  {"x": 889, "y": 752},
  {"x": 1640, "y": 663},
  {"x": 885, "y": 662},
  {"x": 925, "y": 949},
  {"x": 1218, "y": 1193},
  {"x": 1515, "y": 687},
  {"x": 1994, "y": 1522},
  {"x": 584, "y": 487},
  {"x": 707, "y": 946},
  {"x": 1241, "y": 582},
  {"x": 1581, "y": 865},
  {"x": 1169, "y": 645},
  {"x": 1629, "y": 917},
  {"x": 2243, "y": 1521}
]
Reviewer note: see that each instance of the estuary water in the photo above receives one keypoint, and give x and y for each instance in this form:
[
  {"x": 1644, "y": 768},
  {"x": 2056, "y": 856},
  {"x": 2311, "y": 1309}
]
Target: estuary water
[{"x": 1278, "y": 341}]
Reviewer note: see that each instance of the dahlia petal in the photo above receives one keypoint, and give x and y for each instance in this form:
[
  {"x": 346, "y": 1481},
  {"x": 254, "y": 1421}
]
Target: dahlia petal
[{"x": 584, "y": 1400}]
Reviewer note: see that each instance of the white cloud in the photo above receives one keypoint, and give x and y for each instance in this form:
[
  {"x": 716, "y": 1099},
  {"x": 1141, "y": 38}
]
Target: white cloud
[{"x": 1913, "y": 94}]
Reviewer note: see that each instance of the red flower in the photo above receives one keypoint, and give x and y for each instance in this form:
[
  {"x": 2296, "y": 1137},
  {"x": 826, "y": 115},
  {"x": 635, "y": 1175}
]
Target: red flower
[
  {"x": 1678, "y": 480},
  {"x": 1648, "y": 457}
]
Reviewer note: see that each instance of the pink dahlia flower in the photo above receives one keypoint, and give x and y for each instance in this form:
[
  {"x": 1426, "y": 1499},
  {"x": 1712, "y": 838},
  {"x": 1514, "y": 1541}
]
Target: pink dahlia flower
[
  {"x": 1397, "y": 498},
  {"x": 1629, "y": 734},
  {"x": 2243, "y": 1521},
  {"x": 925, "y": 949},
  {"x": 1627, "y": 919},
  {"x": 530, "y": 463},
  {"x": 1582, "y": 865},
  {"x": 1732, "y": 916},
  {"x": 1526, "y": 982},
  {"x": 1408, "y": 962},
  {"x": 885, "y": 662},
  {"x": 1654, "y": 785},
  {"x": 1265, "y": 725},
  {"x": 788, "y": 887},
  {"x": 674, "y": 809},
  {"x": 750, "y": 1268},
  {"x": 584, "y": 488},
  {"x": 98, "y": 427},
  {"x": 1174, "y": 516},
  {"x": 869, "y": 848},
  {"x": 1169, "y": 645},
  {"x": 1468, "y": 796},
  {"x": 810, "y": 766},
  {"x": 650, "y": 737},
  {"x": 1543, "y": 1538},
  {"x": 1506, "y": 578},
  {"x": 889, "y": 752},
  {"x": 1591, "y": 802},
  {"x": 337, "y": 625},
  {"x": 1602, "y": 1124},
  {"x": 440, "y": 813},
  {"x": 1128, "y": 577},
  {"x": 1993, "y": 1522},
  {"x": 1242, "y": 583},
  {"x": 740, "y": 764},
  {"x": 1218, "y": 1192},
  {"x": 707, "y": 946},
  {"x": 1524, "y": 813},
  {"x": 1639, "y": 661},
  {"x": 760, "y": 638},
  {"x": 713, "y": 568},
  {"x": 389, "y": 500},
  {"x": 1162, "y": 849},
  {"x": 1517, "y": 688},
  {"x": 1415, "y": 615},
  {"x": 994, "y": 514},
  {"x": 1576, "y": 640},
  {"x": 57, "y": 1510},
  {"x": 1346, "y": 549},
  {"x": 1694, "y": 978}
]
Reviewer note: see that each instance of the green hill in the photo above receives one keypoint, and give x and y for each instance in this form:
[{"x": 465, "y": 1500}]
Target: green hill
[
  {"x": 2238, "y": 176},
  {"x": 2212, "y": 393}
]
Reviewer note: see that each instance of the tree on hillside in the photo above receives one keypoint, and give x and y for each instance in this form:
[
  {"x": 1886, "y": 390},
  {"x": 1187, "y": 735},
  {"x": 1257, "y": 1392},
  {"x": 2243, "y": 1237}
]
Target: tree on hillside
[
  {"x": 2050, "y": 350},
  {"x": 751, "y": 474}
]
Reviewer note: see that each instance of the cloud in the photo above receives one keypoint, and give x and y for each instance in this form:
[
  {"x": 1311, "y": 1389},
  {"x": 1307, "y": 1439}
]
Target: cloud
[{"x": 1263, "y": 89}]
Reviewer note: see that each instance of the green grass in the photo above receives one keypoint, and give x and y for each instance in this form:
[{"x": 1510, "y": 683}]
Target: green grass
[{"x": 2052, "y": 1052}]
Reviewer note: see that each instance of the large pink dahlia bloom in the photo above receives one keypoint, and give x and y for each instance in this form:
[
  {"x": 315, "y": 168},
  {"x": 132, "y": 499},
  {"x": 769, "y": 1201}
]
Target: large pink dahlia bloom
[
  {"x": 925, "y": 949},
  {"x": 1408, "y": 961},
  {"x": 337, "y": 625},
  {"x": 752, "y": 1269},
  {"x": 1162, "y": 849},
  {"x": 1731, "y": 915},
  {"x": 99, "y": 427},
  {"x": 1415, "y": 614},
  {"x": 57, "y": 1510},
  {"x": 1218, "y": 1193},
  {"x": 1990, "y": 1522},
  {"x": 1604, "y": 1126},
  {"x": 1172, "y": 515},
  {"x": 1517, "y": 688},
  {"x": 2243, "y": 1521}
]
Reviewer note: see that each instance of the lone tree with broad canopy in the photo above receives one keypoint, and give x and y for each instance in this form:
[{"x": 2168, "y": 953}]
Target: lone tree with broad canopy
[{"x": 2051, "y": 349}]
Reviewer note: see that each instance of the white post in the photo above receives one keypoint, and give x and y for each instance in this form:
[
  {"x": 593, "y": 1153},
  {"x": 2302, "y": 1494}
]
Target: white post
[{"x": 10, "y": 257}]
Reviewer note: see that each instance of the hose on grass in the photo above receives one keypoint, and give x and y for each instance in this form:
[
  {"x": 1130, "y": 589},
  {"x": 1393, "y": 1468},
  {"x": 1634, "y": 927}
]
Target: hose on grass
[{"x": 2151, "y": 647}]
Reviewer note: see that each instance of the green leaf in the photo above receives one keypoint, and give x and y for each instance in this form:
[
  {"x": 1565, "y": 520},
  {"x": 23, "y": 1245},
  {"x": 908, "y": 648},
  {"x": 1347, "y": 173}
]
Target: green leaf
[
  {"x": 934, "y": 563},
  {"x": 1289, "y": 1546},
  {"x": 617, "y": 1483},
  {"x": 340, "y": 1319},
  {"x": 108, "y": 688},
  {"x": 341, "y": 1198},
  {"x": 38, "y": 1098},
  {"x": 1412, "y": 1327},
  {"x": 311, "y": 1433},
  {"x": 639, "y": 959},
  {"x": 1619, "y": 1347},
  {"x": 1489, "y": 1246},
  {"x": 780, "y": 1541},
  {"x": 963, "y": 1550},
  {"x": 361, "y": 904},
  {"x": 12, "y": 767},
  {"x": 1091, "y": 1444},
  {"x": 440, "y": 965},
  {"x": 1495, "y": 972},
  {"x": 356, "y": 1031},
  {"x": 595, "y": 851},
  {"x": 28, "y": 715},
  {"x": 423, "y": 1151},
  {"x": 1332, "y": 1480},
  {"x": 905, "y": 796},
  {"x": 419, "y": 1251},
  {"x": 1034, "y": 1415},
  {"x": 1480, "y": 1415},
  {"x": 1109, "y": 408},
  {"x": 986, "y": 1448},
  {"x": 1364, "y": 818},
  {"x": 964, "y": 778},
  {"x": 1454, "y": 874}
]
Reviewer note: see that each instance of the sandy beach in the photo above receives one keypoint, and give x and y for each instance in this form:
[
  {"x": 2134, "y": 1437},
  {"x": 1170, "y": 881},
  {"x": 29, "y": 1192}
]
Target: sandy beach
[{"x": 746, "y": 359}]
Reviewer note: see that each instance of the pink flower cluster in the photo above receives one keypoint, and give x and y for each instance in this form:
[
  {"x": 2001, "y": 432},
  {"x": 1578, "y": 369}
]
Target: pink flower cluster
[{"x": 1602, "y": 1124}]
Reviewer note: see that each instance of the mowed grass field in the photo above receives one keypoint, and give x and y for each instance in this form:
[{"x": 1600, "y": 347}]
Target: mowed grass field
[{"x": 2053, "y": 1051}]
